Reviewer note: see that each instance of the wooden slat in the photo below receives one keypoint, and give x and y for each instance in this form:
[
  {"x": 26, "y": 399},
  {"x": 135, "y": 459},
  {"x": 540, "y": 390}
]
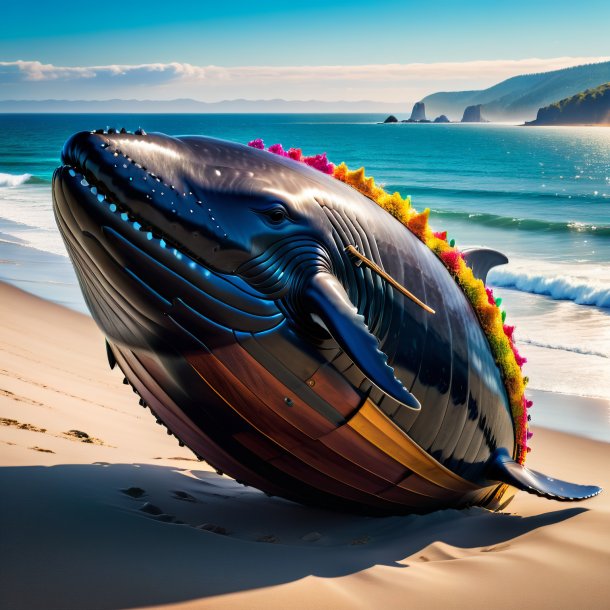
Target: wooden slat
[
  {"x": 243, "y": 401},
  {"x": 271, "y": 391},
  {"x": 378, "y": 429},
  {"x": 331, "y": 386},
  {"x": 352, "y": 446}
]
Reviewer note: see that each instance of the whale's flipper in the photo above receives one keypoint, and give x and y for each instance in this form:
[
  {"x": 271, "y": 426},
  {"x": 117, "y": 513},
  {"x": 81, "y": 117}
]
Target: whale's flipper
[
  {"x": 481, "y": 260},
  {"x": 330, "y": 307},
  {"x": 504, "y": 469}
]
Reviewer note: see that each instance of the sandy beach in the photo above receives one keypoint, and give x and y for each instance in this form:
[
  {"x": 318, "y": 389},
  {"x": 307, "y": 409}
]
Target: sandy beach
[{"x": 101, "y": 509}]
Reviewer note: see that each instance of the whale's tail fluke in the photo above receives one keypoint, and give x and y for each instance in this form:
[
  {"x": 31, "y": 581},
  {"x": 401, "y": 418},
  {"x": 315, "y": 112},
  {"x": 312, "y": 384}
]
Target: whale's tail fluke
[{"x": 504, "y": 469}]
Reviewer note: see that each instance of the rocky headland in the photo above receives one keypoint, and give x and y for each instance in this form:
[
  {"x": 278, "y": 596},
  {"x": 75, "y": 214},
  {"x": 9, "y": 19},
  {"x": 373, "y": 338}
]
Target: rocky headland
[{"x": 590, "y": 107}]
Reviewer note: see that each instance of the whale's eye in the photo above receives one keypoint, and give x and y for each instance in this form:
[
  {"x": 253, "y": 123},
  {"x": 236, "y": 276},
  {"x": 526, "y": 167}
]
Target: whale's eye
[{"x": 276, "y": 215}]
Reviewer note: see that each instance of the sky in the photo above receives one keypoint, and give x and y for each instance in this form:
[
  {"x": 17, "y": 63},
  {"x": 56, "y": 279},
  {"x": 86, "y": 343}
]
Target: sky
[{"x": 389, "y": 51}]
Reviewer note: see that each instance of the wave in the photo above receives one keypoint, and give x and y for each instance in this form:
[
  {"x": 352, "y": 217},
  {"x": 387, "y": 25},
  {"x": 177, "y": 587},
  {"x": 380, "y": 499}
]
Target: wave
[
  {"x": 564, "y": 348},
  {"x": 560, "y": 288},
  {"x": 523, "y": 224},
  {"x": 19, "y": 179},
  {"x": 548, "y": 195}
]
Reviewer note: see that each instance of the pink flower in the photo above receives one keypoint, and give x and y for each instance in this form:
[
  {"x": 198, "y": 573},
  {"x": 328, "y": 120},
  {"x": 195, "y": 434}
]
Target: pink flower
[
  {"x": 521, "y": 360},
  {"x": 441, "y": 235},
  {"x": 321, "y": 163},
  {"x": 490, "y": 296},
  {"x": 295, "y": 154},
  {"x": 258, "y": 143},
  {"x": 277, "y": 149}
]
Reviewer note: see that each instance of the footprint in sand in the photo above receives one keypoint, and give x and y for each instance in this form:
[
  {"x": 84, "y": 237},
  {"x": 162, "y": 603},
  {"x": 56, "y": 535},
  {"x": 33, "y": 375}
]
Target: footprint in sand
[
  {"x": 215, "y": 529},
  {"x": 269, "y": 538},
  {"x": 361, "y": 540},
  {"x": 182, "y": 495},
  {"x": 165, "y": 518},
  {"x": 150, "y": 509},
  {"x": 5, "y": 421},
  {"x": 83, "y": 437},
  {"x": 134, "y": 492},
  {"x": 311, "y": 537},
  {"x": 156, "y": 513}
]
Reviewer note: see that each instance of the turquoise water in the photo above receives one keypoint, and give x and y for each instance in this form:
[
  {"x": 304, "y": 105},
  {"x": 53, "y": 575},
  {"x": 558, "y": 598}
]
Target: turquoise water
[{"x": 541, "y": 195}]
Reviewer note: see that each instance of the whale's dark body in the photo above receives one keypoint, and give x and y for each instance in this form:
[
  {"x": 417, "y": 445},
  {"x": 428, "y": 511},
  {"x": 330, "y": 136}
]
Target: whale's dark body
[{"x": 218, "y": 274}]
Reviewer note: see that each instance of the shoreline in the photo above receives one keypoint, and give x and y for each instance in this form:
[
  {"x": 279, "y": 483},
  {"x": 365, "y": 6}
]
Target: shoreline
[{"x": 124, "y": 517}]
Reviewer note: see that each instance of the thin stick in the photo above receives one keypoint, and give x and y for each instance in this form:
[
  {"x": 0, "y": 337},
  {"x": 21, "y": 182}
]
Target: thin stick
[{"x": 379, "y": 271}]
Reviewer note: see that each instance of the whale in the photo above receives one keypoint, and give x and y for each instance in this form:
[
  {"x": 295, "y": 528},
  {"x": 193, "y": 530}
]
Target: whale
[{"x": 287, "y": 329}]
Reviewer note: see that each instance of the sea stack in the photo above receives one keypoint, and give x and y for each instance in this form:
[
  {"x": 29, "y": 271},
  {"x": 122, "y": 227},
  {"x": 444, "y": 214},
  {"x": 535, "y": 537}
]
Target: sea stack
[
  {"x": 442, "y": 119},
  {"x": 391, "y": 119},
  {"x": 472, "y": 114},
  {"x": 419, "y": 112}
]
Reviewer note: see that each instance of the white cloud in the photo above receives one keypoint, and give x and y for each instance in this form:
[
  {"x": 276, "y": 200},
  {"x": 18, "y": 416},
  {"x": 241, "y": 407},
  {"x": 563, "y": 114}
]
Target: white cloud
[{"x": 383, "y": 82}]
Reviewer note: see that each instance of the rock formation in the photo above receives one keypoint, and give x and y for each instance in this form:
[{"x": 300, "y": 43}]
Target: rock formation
[
  {"x": 472, "y": 114},
  {"x": 391, "y": 119},
  {"x": 418, "y": 113},
  {"x": 442, "y": 119}
]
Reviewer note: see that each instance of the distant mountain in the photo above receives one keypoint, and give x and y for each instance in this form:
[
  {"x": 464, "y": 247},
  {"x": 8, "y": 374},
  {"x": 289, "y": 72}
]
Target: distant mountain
[
  {"x": 589, "y": 107},
  {"x": 194, "y": 106},
  {"x": 518, "y": 98}
]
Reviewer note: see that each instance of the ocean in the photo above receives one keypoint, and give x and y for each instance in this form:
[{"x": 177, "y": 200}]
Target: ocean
[{"x": 540, "y": 195}]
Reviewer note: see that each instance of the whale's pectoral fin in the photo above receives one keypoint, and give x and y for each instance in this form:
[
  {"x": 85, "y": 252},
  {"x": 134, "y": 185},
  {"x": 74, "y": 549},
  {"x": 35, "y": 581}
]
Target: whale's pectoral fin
[
  {"x": 481, "y": 260},
  {"x": 504, "y": 469},
  {"x": 329, "y": 306}
]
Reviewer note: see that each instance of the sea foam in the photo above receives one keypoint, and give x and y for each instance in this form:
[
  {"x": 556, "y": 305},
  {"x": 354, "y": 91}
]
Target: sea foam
[
  {"x": 14, "y": 180},
  {"x": 575, "y": 349},
  {"x": 580, "y": 290}
]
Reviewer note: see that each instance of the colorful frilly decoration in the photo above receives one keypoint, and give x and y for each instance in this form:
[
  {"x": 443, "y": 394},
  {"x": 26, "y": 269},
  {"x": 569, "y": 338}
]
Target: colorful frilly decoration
[
  {"x": 492, "y": 319},
  {"x": 319, "y": 162}
]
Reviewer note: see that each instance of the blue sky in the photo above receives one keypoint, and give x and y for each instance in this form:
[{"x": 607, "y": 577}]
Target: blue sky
[{"x": 517, "y": 36}]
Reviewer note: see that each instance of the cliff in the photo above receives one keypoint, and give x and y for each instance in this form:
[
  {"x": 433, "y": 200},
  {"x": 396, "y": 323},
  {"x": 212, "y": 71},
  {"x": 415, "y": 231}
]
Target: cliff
[
  {"x": 586, "y": 108},
  {"x": 519, "y": 97}
]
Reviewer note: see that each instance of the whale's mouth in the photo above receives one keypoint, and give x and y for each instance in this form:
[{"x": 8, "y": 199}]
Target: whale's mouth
[
  {"x": 127, "y": 231},
  {"x": 116, "y": 217},
  {"x": 102, "y": 167}
]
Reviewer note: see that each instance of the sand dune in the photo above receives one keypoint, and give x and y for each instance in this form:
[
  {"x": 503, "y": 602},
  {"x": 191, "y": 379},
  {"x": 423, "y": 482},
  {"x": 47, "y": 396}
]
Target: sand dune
[{"x": 101, "y": 509}]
